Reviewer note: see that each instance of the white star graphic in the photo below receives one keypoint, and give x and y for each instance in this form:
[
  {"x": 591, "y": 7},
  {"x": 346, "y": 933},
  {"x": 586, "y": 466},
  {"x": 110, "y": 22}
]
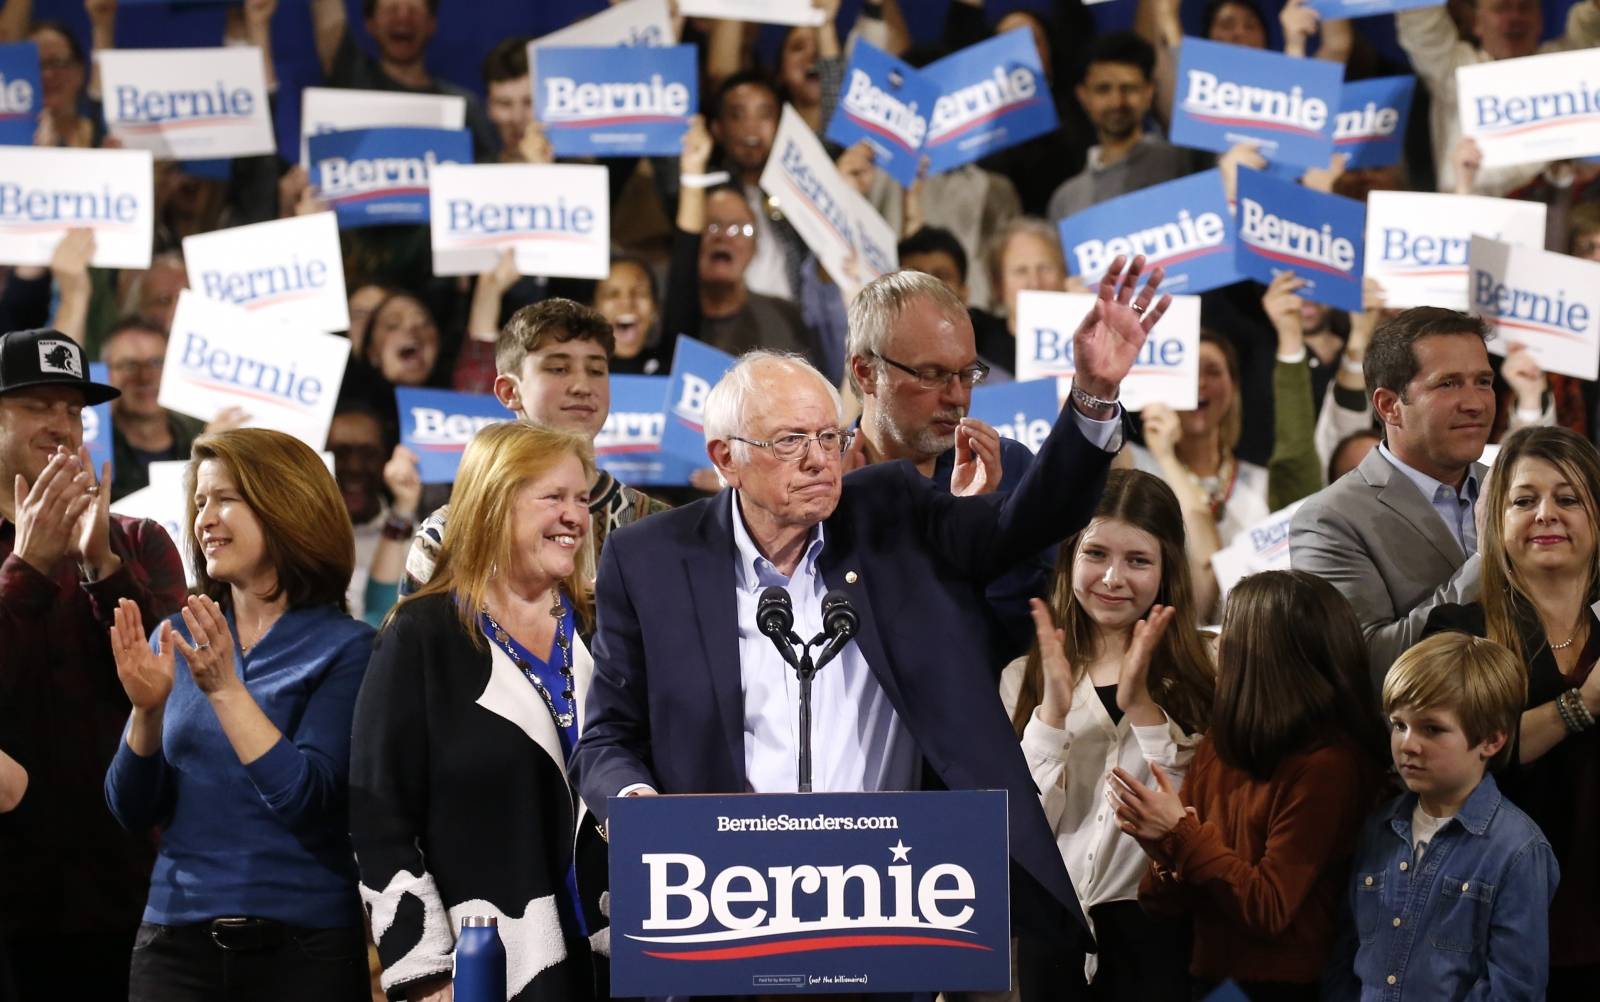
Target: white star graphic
[{"x": 899, "y": 850}]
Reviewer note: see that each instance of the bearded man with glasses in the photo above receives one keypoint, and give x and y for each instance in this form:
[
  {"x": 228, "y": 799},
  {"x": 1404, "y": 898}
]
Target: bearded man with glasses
[{"x": 689, "y": 697}]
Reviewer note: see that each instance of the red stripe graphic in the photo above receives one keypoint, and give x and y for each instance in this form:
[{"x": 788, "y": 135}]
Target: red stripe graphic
[
  {"x": 945, "y": 137},
  {"x": 363, "y": 196},
  {"x": 1251, "y": 123},
  {"x": 1538, "y": 328},
  {"x": 1302, "y": 262},
  {"x": 880, "y": 129},
  {"x": 597, "y": 123},
  {"x": 813, "y": 946},
  {"x": 1518, "y": 130},
  {"x": 185, "y": 123}
]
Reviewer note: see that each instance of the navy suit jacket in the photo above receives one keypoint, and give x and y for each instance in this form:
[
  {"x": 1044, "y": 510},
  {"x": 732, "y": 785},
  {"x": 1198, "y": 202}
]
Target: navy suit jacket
[{"x": 665, "y": 706}]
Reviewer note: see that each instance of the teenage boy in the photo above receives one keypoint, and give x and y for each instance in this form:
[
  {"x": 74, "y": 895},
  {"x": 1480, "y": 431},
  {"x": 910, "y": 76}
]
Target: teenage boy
[{"x": 1451, "y": 884}]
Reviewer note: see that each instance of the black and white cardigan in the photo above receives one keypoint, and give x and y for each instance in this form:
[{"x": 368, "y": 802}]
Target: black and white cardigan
[{"x": 459, "y": 805}]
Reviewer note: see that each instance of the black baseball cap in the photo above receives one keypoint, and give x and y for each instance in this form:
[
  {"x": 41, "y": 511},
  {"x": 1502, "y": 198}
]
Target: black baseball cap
[{"x": 48, "y": 358}]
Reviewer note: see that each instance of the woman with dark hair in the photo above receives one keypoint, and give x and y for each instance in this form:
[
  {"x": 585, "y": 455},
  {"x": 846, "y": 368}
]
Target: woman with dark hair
[
  {"x": 402, "y": 340},
  {"x": 1127, "y": 679},
  {"x": 1255, "y": 847},
  {"x": 66, "y": 118},
  {"x": 238, "y": 747},
  {"x": 627, "y": 298},
  {"x": 1540, "y": 597},
  {"x": 459, "y": 798}
]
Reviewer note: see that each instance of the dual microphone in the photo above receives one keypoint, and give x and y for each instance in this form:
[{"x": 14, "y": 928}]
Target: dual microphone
[{"x": 775, "y": 618}]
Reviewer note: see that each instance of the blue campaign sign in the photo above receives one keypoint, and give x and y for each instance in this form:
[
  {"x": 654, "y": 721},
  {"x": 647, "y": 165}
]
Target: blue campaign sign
[
  {"x": 887, "y": 103},
  {"x": 1319, "y": 237},
  {"x": 20, "y": 93},
  {"x": 1184, "y": 226},
  {"x": 992, "y": 95},
  {"x": 1228, "y": 94},
  {"x": 1371, "y": 125},
  {"x": 97, "y": 422},
  {"x": 1335, "y": 10},
  {"x": 616, "y": 102},
  {"x": 379, "y": 177},
  {"x": 809, "y": 893},
  {"x": 438, "y": 424},
  {"x": 1022, "y": 411},
  {"x": 629, "y": 445},
  {"x": 696, "y": 367}
]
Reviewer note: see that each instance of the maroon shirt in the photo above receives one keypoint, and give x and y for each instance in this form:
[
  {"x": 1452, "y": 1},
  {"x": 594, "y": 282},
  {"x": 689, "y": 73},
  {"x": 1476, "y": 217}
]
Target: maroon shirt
[{"x": 65, "y": 864}]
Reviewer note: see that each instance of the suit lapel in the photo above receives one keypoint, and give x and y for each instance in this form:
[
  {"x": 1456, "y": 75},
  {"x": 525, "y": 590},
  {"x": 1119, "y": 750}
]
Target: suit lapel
[
  {"x": 838, "y": 564},
  {"x": 713, "y": 590},
  {"x": 1397, "y": 493}
]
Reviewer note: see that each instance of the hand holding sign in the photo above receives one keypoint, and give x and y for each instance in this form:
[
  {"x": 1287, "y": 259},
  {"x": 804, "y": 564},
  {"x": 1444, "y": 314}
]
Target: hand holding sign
[
  {"x": 1108, "y": 340},
  {"x": 1527, "y": 381},
  {"x": 402, "y": 474}
]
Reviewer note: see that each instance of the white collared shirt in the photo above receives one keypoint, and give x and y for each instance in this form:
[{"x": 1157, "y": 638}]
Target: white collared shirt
[
  {"x": 1454, "y": 506},
  {"x": 858, "y": 742}
]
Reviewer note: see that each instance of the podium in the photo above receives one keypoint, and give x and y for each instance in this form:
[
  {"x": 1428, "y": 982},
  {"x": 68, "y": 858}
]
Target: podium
[{"x": 809, "y": 893}]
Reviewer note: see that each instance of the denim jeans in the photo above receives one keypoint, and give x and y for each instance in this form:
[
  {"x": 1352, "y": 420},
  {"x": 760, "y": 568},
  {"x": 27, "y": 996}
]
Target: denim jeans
[{"x": 186, "y": 964}]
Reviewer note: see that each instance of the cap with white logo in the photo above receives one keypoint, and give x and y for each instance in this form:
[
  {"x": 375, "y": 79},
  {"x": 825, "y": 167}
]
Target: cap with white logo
[{"x": 48, "y": 358}]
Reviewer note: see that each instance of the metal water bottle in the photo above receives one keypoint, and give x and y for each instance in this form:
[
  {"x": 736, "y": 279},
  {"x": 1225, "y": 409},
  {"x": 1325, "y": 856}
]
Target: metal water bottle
[{"x": 480, "y": 961}]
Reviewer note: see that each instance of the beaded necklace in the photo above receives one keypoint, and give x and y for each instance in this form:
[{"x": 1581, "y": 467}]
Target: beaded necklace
[{"x": 563, "y": 643}]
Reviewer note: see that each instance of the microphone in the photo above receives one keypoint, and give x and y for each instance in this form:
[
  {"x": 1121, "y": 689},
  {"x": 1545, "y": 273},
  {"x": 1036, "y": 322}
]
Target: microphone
[
  {"x": 775, "y": 618},
  {"x": 840, "y": 623}
]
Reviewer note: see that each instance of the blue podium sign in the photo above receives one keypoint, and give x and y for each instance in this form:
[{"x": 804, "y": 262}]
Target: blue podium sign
[{"x": 809, "y": 893}]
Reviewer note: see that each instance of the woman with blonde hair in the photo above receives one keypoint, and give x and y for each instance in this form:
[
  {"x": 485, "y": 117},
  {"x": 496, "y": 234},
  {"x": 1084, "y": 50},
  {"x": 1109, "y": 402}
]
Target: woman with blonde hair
[
  {"x": 460, "y": 804},
  {"x": 1539, "y": 597},
  {"x": 239, "y": 743}
]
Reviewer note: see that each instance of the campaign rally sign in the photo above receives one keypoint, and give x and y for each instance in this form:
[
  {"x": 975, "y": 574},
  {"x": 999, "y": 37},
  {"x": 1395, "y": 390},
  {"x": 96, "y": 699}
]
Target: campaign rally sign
[
  {"x": 847, "y": 234},
  {"x": 1022, "y": 411},
  {"x": 696, "y": 367},
  {"x": 1537, "y": 108},
  {"x": 1337, "y": 10},
  {"x": 187, "y": 104},
  {"x": 1318, "y": 237},
  {"x": 286, "y": 269},
  {"x": 20, "y": 93},
  {"x": 1370, "y": 128},
  {"x": 1541, "y": 300},
  {"x": 97, "y": 422},
  {"x": 1168, "y": 367},
  {"x": 632, "y": 23},
  {"x": 45, "y": 191},
  {"x": 887, "y": 103},
  {"x": 438, "y": 424},
  {"x": 1417, "y": 242},
  {"x": 162, "y": 502},
  {"x": 629, "y": 444},
  {"x": 556, "y": 218},
  {"x": 790, "y": 12},
  {"x": 220, "y": 356},
  {"x": 339, "y": 109},
  {"x": 616, "y": 102},
  {"x": 992, "y": 95},
  {"x": 1185, "y": 226},
  {"x": 809, "y": 893},
  {"x": 1262, "y": 547},
  {"x": 379, "y": 177},
  {"x": 1229, "y": 94}
]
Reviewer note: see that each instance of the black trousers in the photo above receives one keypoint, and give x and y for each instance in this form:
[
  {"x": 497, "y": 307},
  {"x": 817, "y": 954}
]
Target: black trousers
[
  {"x": 47, "y": 967},
  {"x": 1143, "y": 958},
  {"x": 270, "y": 964}
]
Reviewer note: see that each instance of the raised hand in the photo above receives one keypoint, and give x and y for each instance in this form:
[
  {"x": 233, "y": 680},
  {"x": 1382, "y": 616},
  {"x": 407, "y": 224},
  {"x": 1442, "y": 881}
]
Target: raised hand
[
  {"x": 535, "y": 146},
  {"x": 1133, "y": 678},
  {"x": 400, "y": 475},
  {"x": 1162, "y": 429},
  {"x": 1055, "y": 669},
  {"x": 1114, "y": 330},
  {"x": 855, "y": 164},
  {"x": 696, "y": 155},
  {"x": 145, "y": 674},
  {"x": 1299, "y": 22},
  {"x": 1522, "y": 373},
  {"x": 977, "y": 468}
]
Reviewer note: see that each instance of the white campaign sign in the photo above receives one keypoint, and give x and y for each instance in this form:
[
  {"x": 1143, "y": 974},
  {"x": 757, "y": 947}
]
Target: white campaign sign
[
  {"x": 632, "y": 22},
  {"x": 162, "y": 502},
  {"x": 286, "y": 378},
  {"x": 801, "y": 12},
  {"x": 555, "y": 217},
  {"x": 45, "y": 191},
  {"x": 847, "y": 234},
  {"x": 187, "y": 104},
  {"x": 287, "y": 269},
  {"x": 1417, "y": 241},
  {"x": 1541, "y": 300},
  {"x": 1537, "y": 108},
  {"x": 337, "y": 109},
  {"x": 1168, "y": 367},
  {"x": 1262, "y": 547}
]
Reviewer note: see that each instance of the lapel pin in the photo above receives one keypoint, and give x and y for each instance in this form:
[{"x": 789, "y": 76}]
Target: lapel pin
[{"x": 851, "y": 577}]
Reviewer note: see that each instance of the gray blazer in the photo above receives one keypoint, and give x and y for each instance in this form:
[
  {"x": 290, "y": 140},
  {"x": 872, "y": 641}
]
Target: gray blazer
[{"x": 1372, "y": 535}]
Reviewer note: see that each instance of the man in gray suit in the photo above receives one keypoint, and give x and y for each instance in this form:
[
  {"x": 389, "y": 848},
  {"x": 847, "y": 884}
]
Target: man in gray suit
[{"x": 1397, "y": 535}]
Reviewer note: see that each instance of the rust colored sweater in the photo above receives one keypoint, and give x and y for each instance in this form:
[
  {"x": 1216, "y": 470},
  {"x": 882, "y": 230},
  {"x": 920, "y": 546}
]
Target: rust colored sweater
[{"x": 1261, "y": 872}]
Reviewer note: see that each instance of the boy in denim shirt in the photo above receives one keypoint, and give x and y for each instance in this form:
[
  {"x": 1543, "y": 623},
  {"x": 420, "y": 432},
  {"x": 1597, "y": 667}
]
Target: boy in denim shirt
[{"x": 1451, "y": 883}]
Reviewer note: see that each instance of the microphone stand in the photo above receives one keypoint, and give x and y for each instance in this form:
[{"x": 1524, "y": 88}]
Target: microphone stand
[{"x": 806, "y": 671}]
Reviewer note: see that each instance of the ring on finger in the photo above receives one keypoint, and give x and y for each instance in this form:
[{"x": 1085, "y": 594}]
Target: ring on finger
[{"x": 204, "y": 646}]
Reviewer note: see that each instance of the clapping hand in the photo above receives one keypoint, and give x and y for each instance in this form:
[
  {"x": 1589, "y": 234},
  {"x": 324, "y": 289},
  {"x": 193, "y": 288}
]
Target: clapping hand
[
  {"x": 1053, "y": 666},
  {"x": 209, "y": 651},
  {"x": 1144, "y": 813},
  {"x": 977, "y": 467},
  {"x": 146, "y": 674},
  {"x": 1133, "y": 679}
]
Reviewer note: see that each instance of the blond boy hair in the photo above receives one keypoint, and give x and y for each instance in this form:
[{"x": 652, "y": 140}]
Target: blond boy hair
[{"x": 1483, "y": 683}]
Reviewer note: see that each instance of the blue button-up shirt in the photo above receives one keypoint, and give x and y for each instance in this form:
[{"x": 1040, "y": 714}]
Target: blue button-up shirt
[
  {"x": 1454, "y": 506},
  {"x": 1470, "y": 920}
]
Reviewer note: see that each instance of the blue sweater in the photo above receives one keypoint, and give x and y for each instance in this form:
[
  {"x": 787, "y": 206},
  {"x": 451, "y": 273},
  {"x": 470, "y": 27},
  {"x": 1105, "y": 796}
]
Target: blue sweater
[{"x": 270, "y": 839}]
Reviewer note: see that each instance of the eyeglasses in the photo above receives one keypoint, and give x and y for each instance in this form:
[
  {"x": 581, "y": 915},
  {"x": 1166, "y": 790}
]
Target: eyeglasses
[
  {"x": 134, "y": 366},
  {"x": 731, "y": 230},
  {"x": 934, "y": 378},
  {"x": 789, "y": 448}
]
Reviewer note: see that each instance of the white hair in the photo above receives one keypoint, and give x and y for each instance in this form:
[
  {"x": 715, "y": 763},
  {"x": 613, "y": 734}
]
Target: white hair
[
  {"x": 877, "y": 306},
  {"x": 730, "y": 403}
]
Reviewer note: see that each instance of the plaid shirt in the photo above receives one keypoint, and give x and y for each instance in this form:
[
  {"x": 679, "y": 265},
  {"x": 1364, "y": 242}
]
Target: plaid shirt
[{"x": 65, "y": 864}]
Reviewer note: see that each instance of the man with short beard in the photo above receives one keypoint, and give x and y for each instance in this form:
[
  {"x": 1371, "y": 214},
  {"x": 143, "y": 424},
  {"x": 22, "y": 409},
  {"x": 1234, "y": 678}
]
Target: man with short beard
[
  {"x": 913, "y": 362},
  {"x": 1116, "y": 92}
]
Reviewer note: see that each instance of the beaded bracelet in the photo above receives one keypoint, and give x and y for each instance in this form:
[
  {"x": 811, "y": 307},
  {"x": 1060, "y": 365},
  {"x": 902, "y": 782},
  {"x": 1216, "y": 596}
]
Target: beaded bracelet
[{"x": 1580, "y": 710}]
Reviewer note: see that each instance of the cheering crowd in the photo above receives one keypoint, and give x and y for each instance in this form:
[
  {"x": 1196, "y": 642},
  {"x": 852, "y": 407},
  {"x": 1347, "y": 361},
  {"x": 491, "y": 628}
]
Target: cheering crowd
[{"x": 284, "y": 754}]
